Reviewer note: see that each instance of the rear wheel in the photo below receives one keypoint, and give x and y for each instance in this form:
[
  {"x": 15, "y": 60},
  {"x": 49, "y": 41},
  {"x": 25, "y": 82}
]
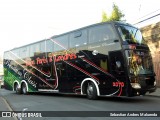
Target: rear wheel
[
  {"x": 24, "y": 89},
  {"x": 16, "y": 89},
  {"x": 91, "y": 91}
]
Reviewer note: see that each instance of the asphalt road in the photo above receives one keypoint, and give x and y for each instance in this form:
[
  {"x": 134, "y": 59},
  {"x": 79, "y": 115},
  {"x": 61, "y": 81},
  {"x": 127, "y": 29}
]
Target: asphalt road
[{"x": 57, "y": 102}]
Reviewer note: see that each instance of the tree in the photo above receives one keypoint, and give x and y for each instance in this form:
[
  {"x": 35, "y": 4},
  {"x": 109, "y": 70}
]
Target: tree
[
  {"x": 104, "y": 17},
  {"x": 116, "y": 14}
]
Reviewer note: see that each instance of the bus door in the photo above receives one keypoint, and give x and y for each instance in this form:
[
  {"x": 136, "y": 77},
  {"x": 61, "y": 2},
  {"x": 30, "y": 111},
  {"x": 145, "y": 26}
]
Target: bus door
[
  {"x": 117, "y": 68},
  {"x": 61, "y": 69}
]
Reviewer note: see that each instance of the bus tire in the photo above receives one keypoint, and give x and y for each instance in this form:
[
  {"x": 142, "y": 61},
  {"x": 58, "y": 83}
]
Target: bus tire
[
  {"x": 24, "y": 89},
  {"x": 16, "y": 89},
  {"x": 91, "y": 91}
]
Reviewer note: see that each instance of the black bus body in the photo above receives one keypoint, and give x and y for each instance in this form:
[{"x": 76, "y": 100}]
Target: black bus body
[{"x": 105, "y": 59}]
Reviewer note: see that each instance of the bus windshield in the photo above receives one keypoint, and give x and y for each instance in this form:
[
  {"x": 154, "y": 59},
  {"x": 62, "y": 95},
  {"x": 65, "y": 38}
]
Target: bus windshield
[
  {"x": 139, "y": 62},
  {"x": 130, "y": 35}
]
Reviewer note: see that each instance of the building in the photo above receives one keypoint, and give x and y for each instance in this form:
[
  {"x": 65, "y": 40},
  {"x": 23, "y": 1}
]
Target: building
[{"x": 151, "y": 34}]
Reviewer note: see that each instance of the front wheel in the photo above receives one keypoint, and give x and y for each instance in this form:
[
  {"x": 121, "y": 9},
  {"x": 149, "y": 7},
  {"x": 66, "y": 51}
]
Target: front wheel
[{"x": 91, "y": 91}]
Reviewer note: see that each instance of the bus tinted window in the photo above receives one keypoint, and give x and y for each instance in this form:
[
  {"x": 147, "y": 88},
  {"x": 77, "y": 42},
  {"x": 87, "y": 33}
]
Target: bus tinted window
[
  {"x": 37, "y": 48},
  {"x": 42, "y": 47},
  {"x": 101, "y": 33},
  {"x": 78, "y": 38},
  {"x": 131, "y": 35},
  {"x": 27, "y": 51},
  {"x": 61, "y": 43},
  {"x": 49, "y": 45},
  {"x": 23, "y": 52},
  {"x": 14, "y": 54},
  {"x": 34, "y": 49}
]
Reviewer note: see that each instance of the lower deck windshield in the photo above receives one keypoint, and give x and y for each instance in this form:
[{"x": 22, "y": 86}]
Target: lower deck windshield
[{"x": 139, "y": 62}]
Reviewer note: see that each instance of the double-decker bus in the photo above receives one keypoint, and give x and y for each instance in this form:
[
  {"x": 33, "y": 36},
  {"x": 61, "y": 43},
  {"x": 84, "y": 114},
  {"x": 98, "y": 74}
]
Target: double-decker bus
[{"x": 104, "y": 59}]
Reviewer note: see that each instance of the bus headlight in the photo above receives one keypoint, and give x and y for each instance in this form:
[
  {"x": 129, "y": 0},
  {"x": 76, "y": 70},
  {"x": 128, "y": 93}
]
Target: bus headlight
[
  {"x": 155, "y": 83},
  {"x": 136, "y": 85}
]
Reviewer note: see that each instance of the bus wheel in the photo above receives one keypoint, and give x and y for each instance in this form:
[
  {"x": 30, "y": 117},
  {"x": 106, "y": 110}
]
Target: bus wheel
[
  {"x": 16, "y": 88},
  {"x": 24, "y": 89},
  {"x": 91, "y": 91}
]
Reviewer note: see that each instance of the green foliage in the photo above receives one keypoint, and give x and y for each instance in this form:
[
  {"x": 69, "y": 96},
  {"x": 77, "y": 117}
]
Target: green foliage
[
  {"x": 116, "y": 14},
  {"x": 104, "y": 17}
]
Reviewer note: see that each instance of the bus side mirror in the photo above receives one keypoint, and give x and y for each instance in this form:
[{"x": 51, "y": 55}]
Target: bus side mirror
[{"x": 118, "y": 64}]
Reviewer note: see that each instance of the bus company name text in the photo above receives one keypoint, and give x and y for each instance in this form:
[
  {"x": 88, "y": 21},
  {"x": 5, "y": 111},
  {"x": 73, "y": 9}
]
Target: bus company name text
[{"x": 51, "y": 58}]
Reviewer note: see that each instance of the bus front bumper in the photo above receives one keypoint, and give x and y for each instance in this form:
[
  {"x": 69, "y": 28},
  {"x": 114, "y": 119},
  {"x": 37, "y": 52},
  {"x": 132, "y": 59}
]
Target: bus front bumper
[{"x": 138, "y": 92}]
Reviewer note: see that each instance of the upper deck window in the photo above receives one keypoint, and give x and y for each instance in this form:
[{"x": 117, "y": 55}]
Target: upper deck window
[
  {"x": 101, "y": 33},
  {"x": 49, "y": 45},
  {"x": 131, "y": 35},
  {"x": 78, "y": 38},
  {"x": 61, "y": 43}
]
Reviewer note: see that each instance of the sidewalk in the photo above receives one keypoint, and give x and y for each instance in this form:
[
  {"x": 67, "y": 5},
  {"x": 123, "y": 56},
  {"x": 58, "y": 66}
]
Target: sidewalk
[
  {"x": 156, "y": 93},
  {"x": 4, "y": 106}
]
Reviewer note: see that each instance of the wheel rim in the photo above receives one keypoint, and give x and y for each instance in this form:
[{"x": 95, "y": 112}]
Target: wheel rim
[
  {"x": 24, "y": 89},
  {"x": 90, "y": 90},
  {"x": 16, "y": 88}
]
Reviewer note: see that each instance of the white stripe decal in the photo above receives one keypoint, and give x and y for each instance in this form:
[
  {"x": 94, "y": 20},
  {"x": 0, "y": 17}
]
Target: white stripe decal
[{"x": 30, "y": 65}]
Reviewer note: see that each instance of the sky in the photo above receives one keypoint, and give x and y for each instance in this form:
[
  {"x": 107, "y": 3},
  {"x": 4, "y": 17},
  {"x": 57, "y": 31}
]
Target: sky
[{"x": 27, "y": 21}]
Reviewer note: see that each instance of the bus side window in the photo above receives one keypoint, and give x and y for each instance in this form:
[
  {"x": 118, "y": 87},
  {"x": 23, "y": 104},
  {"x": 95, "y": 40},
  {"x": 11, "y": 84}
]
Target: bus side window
[
  {"x": 104, "y": 64},
  {"x": 49, "y": 46},
  {"x": 101, "y": 33},
  {"x": 78, "y": 38},
  {"x": 61, "y": 43}
]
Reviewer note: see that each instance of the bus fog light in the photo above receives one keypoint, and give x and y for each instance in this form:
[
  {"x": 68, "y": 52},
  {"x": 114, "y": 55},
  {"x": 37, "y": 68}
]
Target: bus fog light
[{"x": 136, "y": 85}]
